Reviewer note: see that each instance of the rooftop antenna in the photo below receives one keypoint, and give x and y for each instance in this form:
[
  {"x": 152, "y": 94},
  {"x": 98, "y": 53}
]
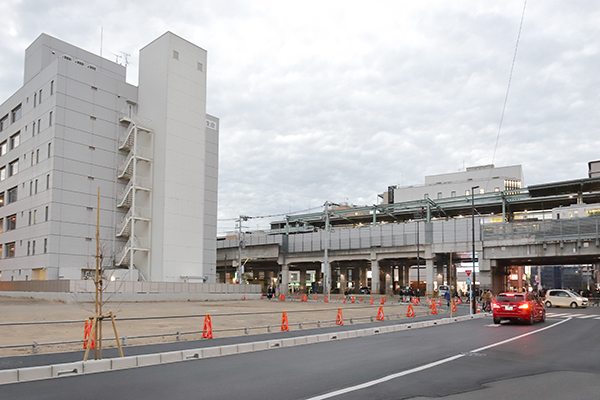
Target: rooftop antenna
[
  {"x": 125, "y": 57},
  {"x": 116, "y": 57}
]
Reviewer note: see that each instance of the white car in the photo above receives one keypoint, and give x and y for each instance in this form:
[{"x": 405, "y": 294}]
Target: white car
[{"x": 564, "y": 298}]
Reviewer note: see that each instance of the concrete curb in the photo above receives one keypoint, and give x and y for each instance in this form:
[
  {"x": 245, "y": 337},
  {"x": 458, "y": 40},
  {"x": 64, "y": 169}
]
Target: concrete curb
[{"x": 113, "y": 364}]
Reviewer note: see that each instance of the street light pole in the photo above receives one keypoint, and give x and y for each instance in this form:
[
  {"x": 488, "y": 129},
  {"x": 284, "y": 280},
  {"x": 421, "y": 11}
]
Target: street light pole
[{"x": 473, "y": 297}]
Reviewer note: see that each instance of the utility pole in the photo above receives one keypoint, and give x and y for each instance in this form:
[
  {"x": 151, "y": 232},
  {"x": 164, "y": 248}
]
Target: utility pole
[
  {"x": 326, "y": 266},
  {"x": 474, "y": 286},
  {"x": 240, "y": 247}
]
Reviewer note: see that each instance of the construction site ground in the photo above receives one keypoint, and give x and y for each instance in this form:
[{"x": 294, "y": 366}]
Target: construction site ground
[{"x": 229, "y": 318}]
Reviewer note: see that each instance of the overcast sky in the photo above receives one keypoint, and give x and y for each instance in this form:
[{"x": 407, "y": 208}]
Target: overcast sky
[{"x": 336, "y": 100}]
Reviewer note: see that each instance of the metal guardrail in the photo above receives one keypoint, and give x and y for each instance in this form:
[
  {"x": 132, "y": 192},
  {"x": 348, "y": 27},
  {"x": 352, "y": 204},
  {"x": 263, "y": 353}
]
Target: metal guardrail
[{"x": 178, "y": 334}]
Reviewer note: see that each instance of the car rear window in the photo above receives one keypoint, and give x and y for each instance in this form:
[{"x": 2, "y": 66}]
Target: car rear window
[{"x": 510, "y": 299}]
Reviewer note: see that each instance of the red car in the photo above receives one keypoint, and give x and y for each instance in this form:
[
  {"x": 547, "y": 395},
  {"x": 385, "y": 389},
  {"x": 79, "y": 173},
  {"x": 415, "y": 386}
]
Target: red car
[{"x": 526, "y": 307}]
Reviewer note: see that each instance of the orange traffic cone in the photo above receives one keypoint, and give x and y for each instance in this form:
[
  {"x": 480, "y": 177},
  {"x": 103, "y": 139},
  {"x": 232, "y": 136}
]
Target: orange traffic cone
[
  {"x": 380, "y": 316},
  {"x": 360, "y": 299},
  {"x": 352, "y": 298},
  {"x": 410, "y": 312},
  {"x": 371, "y": 302},
  {"x": 454, "y": 309},
  {"x": 439, "y": 302},
  {"x": 297, "y": 296},
  {"x": 207, "y": 334},
  {"x": 326, "y": 299},
  {"x": 478, "y": 309},
  {"x": 434, "y": 310},
  {"x": 282, "y": 297},
  {"x": 339, "y": 320},
  {"x": 261, "y": 296},
  {"x": 344, "y": 300},
  {"x": 316, "y": 297},
  {"x": 285, "y": 326},
  {"x": 244, "y": 297}
]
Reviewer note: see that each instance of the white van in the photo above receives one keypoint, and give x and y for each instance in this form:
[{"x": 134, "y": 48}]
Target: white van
[{"x": 442, "y": 289}]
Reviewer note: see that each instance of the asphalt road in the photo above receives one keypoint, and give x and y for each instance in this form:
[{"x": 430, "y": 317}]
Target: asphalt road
[{"x": 557, "y": 359}]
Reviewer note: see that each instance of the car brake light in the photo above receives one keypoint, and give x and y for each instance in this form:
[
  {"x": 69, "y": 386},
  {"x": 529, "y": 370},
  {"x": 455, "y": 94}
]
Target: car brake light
[
  {"x": 523, "y": 306},
  {"x": 495, "y": 305},
  {"x": 510, "y": 295}
]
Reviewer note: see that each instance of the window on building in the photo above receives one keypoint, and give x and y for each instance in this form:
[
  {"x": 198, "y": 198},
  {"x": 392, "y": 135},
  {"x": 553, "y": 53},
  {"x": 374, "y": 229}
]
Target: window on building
[
  {"x": 29, "y": 223},
  {"x": 46, "y": 213},
  {"x": 49, "y": 147},
  {"x": 36, "y": 186},
  {"x": 439, "y": 195},
  {"x": 10, "y": 250},
  {"x": 33, "y": 130},
  {"x": 467, "y": 192},
  {"x": 4, "y": 123},
  {"x": 1, "y": 199},
  {"x": 496, "y": 189},
  {"x": 199, "y": 67},
  {"x": 45, "y": 245},
  {"x": 15, "y": 114},
  {"x": 481, "y": 191},
  {"x": 3, "y": 148},
  {"x": 39, "y": 125},
  {"x": 1, "y": 225},
  {"x": 47, "y": 181},
  {"x": 11, "y": 195},
  {"x": 453, "y": 193},
  {"x": 34, "y": 217},
  {"x": 11, "y": 222},
  {"x": 33, "y": 248},
  {"x": 28, "y": 247},
  {"x": 175, "y": 54},
  {"x": 14, "y": 141},
  {"x": 426, "y": 196},
  {"x": 37, "y": 156},
  {"x": 51, "y": 88},
  {"x": 40, "y": 96},
  {"x": 30, "y": 188},
  {"x": 13, "y": 167},
  {"x": 2, "y": 173},
  {"x": 50, "y": 119},
  {"x": 35, "y": 99}
]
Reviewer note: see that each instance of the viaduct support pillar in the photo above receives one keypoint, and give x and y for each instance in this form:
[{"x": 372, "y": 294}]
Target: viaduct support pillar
[
  {"x": 429, "y": 276},
  {"x": 374, "y": 276},
  {"x": 284, "y": 283}
]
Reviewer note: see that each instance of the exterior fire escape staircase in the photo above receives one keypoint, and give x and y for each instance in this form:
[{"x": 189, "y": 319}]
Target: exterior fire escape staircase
[{"x": 137, "y": 142}]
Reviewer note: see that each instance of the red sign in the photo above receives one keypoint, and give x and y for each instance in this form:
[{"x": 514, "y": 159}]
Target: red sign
[{"x": 468, "y": 271}]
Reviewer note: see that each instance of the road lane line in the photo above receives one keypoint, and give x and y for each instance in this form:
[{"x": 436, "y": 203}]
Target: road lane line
[
  {"x": 588, "y": 316},
  {"x": 426, "y": 366}
]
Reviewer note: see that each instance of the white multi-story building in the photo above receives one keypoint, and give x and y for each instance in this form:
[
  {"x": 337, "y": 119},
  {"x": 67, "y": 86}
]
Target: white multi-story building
[
  {"x": 76, "y": 132},
  {"x": 486, "y": 178}
]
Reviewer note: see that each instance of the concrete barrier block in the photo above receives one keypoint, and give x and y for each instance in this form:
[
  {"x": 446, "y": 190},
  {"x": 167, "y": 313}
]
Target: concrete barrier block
[
  {"x": 289, "y": 342},
  {"x": 323, "y": 338},
  {"x": 312, "y": 339},
  {"x": 192, "y": 354},
  {"x": 273, "y": 344},
  {"x": 245, "y": 347},
  {"x": 92, "y": 366},
  {"x": 229, "y": 349},
  {"x": 171, "y": 356},
  {"x": 360, "y": 333},
  {"x": 300, "y": 340},
  {"x": 35, "y": 373},
  {"x": 208, "y": 352},
  {"x": 351, "y": 334},
  {"x": 261, "y": 346},
  {"x": 148, "y": 359},
  {"x": 9, "y": 376},
  {"x": 402, "y": 327},
  {"x": 123, "y": 362},
  {"x": 67, "y": 369},
  {"x": 342, "y": 335}
]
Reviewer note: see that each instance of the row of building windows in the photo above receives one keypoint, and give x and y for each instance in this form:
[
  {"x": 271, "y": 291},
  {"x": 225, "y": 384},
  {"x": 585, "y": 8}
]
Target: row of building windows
[
  {"x": 12, "y": 168},
  {"x": 16, "y": 113},
  {"x": 467, "y": 193},
  {"x": 15, "y": 139},
  {"x": 12, "y": 193},
  {"x": 10, "y": 222},
  {"x": 8, "y": 250}
]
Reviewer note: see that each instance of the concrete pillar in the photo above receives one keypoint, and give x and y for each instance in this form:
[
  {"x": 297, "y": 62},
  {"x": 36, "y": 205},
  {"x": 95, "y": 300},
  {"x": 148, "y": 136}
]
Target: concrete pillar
[
  {"x": 302, "y": 272},
  {"x": 375, "y": 276},
  {"x": 485, "y": 273},
  {"x": 343, "y": 279},
  {"x": 429, "y": 275},
  {"x": 285, "y": 279},
  {"x": 388, "y": 280}
]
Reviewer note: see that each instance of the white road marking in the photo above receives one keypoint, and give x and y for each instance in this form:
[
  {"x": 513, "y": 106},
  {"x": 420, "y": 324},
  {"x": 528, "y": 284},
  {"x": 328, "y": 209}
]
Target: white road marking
[
  {"x": 588, "y": 316},
  {"x": 427, "y": 366},
  {"x": 493, "y": 325}
]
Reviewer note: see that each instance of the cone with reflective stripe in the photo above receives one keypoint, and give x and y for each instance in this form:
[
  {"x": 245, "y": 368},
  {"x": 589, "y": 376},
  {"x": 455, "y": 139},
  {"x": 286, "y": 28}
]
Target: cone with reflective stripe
[
  {"x": 454, "y": 309},
  {"x": 433, "y": 307},
  {"x": 478, "y": 309},
  {"x": 285, "y": 326},
  {"x": 261, "y": 296},
  {"x": 371, "y": 302},
  {"x": 282, "y": 297},
  {"x": 316, "y": 297},
  {"x": 380, "y": 316},
  {"x": 87, "y": 331},
  {"x": 352, "y": 299},
  {"x": 339, "y": 320},
  {"x": 410, "y": 312},
  {"x": 326, "y": 299},
  {"x": 207, "y": 334}
]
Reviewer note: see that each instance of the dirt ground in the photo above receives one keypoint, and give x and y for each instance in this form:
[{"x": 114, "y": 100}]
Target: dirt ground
[{"x": 229, "y": 318}]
